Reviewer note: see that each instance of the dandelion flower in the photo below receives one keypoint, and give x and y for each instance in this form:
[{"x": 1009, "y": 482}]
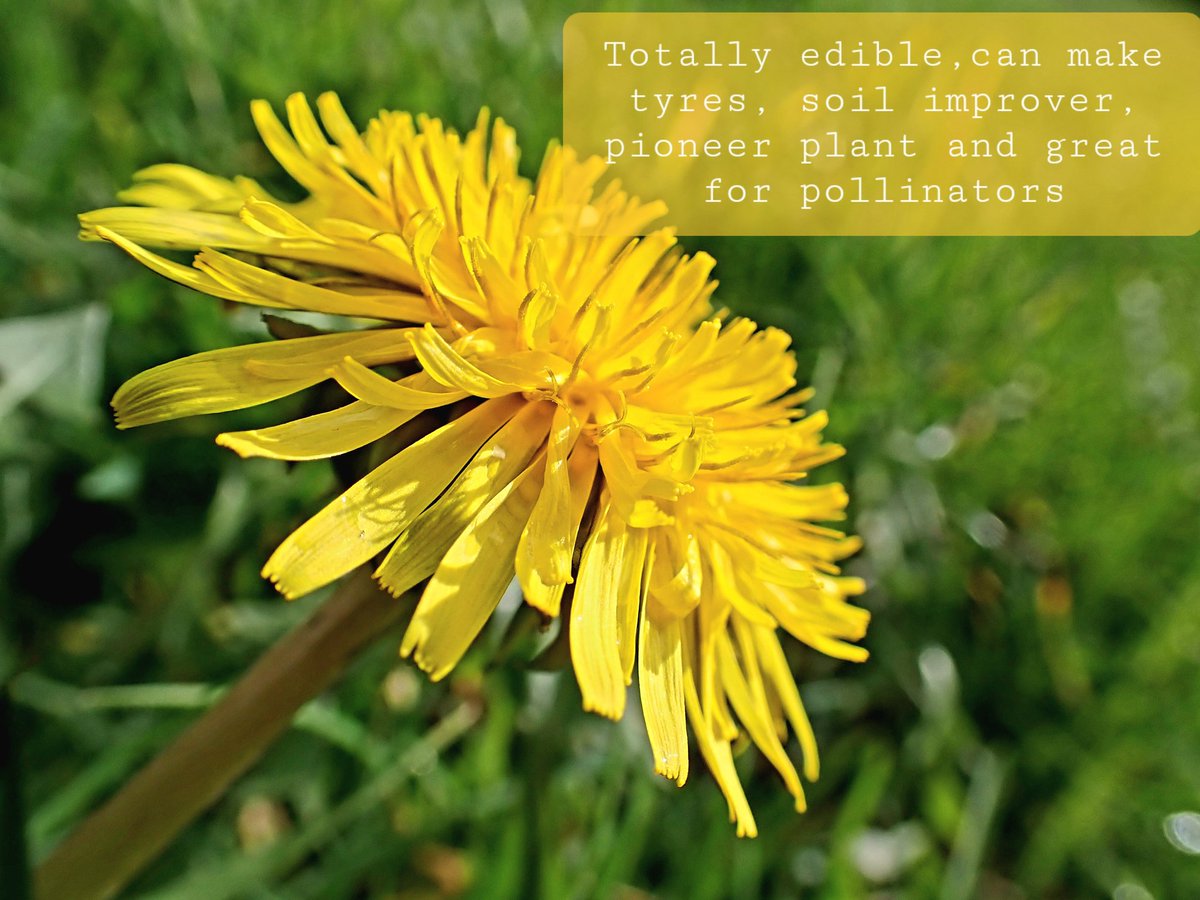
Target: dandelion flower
[
  {"x": 618, "y": 447},
  {"x": 745, "y": 558}
]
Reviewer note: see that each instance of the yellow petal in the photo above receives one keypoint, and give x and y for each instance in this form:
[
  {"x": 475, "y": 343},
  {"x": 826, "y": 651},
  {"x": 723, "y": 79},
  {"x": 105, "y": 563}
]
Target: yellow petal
[
  {"x": 360, "y": 160},
  {"x": 831, "y": 646},
  {"x": 446, "y": 366},
  {"x": 176, "y": 229},
  {"x": 265, "y": 288},
  {"x": 630, "y": 593},
  {"x": 810, "y": 610},
  {"x": 415, "y": 392},
  {"x": 660, "y": 685},
  {"x": 823, "y": 502},
  {"x": 351, "y": 195},
  {"x": 602, "y": 595},
  {"x": 729, "y": 589},
  {"x": 308, "y": 133},
  {"x": 180, "y": 274},
  {"x": 757, "y": 718},
  {"x": 747, "y": 655},
  {"x": 471, "y": 579},
  {"x": 685, "y": 459},
  {"x": 677, "y": 573},
  {"x": 311, "y": 164},
  {"x": 535, "y": 315},
  {"x": 318, "y": 437},
  {"x": 173, "y": 229},
  {"x": 756, "y": 562},
  {"x": 284, "y": 149},
  {"x": 775, "y": 669},
  {"x": 237, "y": 377},
  {"x": 273, "y": 221},
  {"x": 547, "y": 541},
  {"x": 629, "y": 485},
  {"x": 581, "y": 473},
  {"x": 502, "y": 294},
  {"x": 819, "y": 620},
  {"x": 368, "y": 516},
  {"x": 176, "y": 186},
  {"x": 223, "y": 276},
  {"x": 442, "y": 282},
  {"x": 717, "y": 753},
  {"x": 711, "y": 620},
  {"x": 420, "y": 548}
]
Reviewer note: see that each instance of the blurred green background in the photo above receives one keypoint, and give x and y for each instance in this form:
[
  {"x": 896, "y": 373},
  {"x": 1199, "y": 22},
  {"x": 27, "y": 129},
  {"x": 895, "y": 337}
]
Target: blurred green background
[{"x": 1024, "y": 464}]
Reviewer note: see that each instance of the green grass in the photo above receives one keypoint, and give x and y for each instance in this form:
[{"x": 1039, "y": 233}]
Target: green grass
[{"x": 1022, "y": 423}]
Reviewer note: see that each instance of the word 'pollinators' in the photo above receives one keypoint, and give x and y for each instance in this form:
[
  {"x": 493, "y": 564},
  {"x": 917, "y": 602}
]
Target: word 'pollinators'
[{"x": 624, "y": 451}]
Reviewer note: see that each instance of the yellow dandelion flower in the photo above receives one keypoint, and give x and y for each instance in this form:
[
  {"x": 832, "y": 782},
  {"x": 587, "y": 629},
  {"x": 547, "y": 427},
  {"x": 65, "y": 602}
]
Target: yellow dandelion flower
[
  {"x": 744, "y": 558},
  {"x": 622, "y": 448}
]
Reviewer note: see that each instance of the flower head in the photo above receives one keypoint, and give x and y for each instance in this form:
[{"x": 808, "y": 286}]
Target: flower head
[{"x": 616, "y": 444}]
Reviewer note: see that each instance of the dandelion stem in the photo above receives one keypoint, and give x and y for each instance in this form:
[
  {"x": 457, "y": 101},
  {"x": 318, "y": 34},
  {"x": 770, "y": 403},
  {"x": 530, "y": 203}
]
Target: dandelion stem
[
  {"x": 129, "y": 831},
  {"x": 228, "y": 879}
]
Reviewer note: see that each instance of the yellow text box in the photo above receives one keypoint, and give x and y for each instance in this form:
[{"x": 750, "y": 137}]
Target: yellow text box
[{"x": 890, "y": 123}]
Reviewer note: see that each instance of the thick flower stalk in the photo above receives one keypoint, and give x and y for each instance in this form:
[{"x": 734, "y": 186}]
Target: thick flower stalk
[{"x": 616, "y": 445}]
